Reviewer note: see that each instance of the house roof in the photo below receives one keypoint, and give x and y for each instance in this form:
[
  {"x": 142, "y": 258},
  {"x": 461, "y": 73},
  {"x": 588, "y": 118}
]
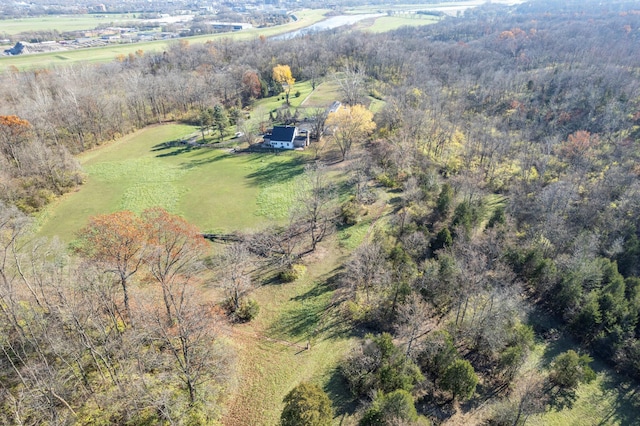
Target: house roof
[{"x": 283, "y": 133}]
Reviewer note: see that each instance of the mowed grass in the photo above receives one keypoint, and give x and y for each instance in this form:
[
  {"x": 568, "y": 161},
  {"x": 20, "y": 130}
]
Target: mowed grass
[
  {"x": 272, "y": 349},
  {"x": 63, "y": 23},
  {"x": 215, "y": 190},
  {"x": 325, "y": 94},
  {"x": 109, "y": 53},
  {"x": 390, "y": 23}
]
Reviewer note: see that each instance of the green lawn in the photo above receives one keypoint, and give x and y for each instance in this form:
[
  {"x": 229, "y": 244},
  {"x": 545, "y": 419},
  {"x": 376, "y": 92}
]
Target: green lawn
[
  {"x": 272, "y": 348},
  {"x": 325, "y": 94},
  {"x": 109, "y": 53},
  {"x": 211, "y": 188},
  {"x": 390, "y": 23}
]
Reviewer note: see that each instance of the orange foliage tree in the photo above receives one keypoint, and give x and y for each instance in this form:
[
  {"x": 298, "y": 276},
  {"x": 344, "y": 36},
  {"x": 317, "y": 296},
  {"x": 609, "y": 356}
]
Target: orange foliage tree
[
  {"x": 14, "y": 131},
  {"x": 116, "y": 242},
  {"x": 174, "y": 248},
  {"x": 578, "y": 145}
]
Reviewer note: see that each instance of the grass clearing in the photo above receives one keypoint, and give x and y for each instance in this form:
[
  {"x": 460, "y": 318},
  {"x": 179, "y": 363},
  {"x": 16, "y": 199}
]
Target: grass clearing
[
  {"x": 325, "y": 94},
  {"x": 215, "y": 190},
  {"x": 390, "y": 23},
  {"x": 272, "y": 348}
]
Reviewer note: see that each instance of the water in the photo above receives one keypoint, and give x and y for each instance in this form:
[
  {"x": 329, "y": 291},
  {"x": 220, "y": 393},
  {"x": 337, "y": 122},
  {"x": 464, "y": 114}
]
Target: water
[{"x": 328, "y": 24}]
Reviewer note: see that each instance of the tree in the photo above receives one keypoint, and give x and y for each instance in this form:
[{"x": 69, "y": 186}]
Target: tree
[
  {"x": 352, "y": 84},
  {"x": 315, "y": 205},
  {"x": 349, "y": 126},
  {"x": 235, "y": 263},
  {"x": 391, "y": 409},
  {"x": 173, "y": 252},
  {"x": 367, "y": 269},
  {"x": 445, "y": 199},
  {"x": 460, "y": 379},
  {"x": 306, "y": 405},
  {"x": 14, "y": 132},
  {"x": 282, "y": 75},
  {"x": 570, "y": 369},
  {"x": 205, "y": 120},
  {"x": 378, "y": 364},
  {"x": 251, "y": 87},
  {"x": 220, "y": 120},
  {"x": 117, "y": 243}
]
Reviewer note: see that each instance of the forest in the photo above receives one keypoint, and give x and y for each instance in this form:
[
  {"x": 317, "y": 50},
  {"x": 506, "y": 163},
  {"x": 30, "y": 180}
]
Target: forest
[{"x": 504, "y": 157}]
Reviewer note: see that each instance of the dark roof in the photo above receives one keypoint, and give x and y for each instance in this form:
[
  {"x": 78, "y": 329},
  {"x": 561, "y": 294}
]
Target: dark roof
[{"x": 283, "y": 133}]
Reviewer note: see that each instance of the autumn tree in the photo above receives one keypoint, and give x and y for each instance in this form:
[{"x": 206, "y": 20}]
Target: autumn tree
[
  {"x": 350, "y": 125},
  {"x": 14, "y": 133},
  {"x": 117, "y": 243},
  {"x": 235, "y": 267},
  {"x": 282, "y": 75},
  {"x": 251, "y": 87},
  {"x": 174, "y": 248}
]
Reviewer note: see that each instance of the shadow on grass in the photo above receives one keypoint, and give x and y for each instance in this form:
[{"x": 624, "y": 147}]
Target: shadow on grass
[
  {"x": 626, "y": 402},
  {"x": 272, "y": 172},
  {"x": 622, "y": 391},
  {"x": 344, "y": 404},
  {"x": 315, "y": 314}
]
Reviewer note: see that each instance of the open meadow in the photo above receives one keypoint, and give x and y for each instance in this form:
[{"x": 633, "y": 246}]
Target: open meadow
[{"x": 215, "y": 190}]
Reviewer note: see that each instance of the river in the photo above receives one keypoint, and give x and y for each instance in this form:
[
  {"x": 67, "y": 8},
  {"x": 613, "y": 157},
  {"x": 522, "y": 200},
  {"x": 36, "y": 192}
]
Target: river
[{"x": 328, "y": 24}]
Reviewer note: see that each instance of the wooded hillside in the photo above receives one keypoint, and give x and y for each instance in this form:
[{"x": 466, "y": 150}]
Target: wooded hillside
[{"x": 505, "y": 157}]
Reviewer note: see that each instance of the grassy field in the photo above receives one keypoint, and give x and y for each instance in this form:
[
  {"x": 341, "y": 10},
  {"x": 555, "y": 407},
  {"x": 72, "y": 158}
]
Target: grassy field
[
  {"x": 325, "y": 94},
  {"x": 272, "y": 349},
  {"x": 109, "y": 53},
  {"x": 62, "y": 23},
  {"x": 211, "y": 188},
  {"x": 390, "y": 23}
]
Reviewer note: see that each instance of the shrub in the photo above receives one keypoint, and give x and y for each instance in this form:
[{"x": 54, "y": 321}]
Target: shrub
[
  {"x": 292, "y": 273},
  {"x": 247, "y": 311},
  {"x": 391, "y": 409},
  {"x": 460, "y": 379},
  {"x": 349, "y": 213},
  {"x": 386, "y": 181},
  {"x": 297, "y": 94},
  {"x": 306, "y": 405}
]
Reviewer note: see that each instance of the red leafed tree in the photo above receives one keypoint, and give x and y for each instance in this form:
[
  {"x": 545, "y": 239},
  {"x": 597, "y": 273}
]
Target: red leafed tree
[
  {"x": 116, "y": 242},
  {"x": 578, "y": 145},
  {"x": 174, "y": 248},
  {"x": 251, "y": 87}
]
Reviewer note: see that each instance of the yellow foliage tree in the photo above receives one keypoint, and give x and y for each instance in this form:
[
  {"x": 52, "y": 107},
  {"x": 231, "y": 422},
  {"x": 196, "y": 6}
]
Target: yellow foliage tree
[
  {"x": 282, "y": 75},
  {"x": 349, "y": 126}
]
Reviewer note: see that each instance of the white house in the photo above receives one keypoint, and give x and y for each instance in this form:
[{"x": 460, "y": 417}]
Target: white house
[{"x": 283, "y": 136}]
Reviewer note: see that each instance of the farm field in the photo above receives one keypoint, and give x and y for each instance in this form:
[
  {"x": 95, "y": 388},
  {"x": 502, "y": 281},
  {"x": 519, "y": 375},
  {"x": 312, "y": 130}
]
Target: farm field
[
  {"x": 211, "y": 188},
  {"x": 62, "y": 23},
  {"x": 109, "y": 53}
]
